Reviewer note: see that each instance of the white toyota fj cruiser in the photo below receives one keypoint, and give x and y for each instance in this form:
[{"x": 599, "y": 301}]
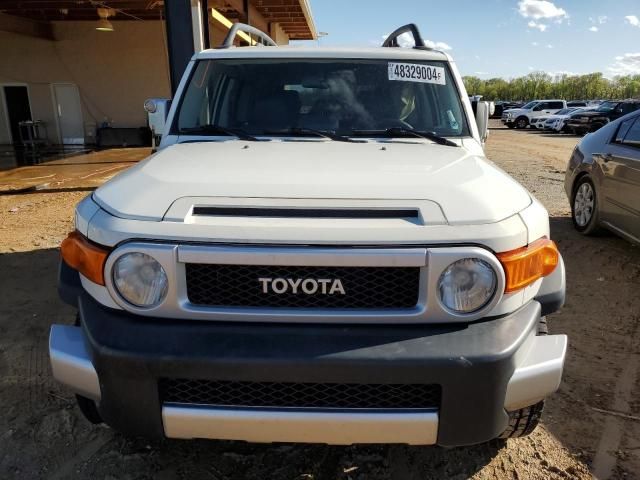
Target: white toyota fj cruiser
[{"x": 319, "y": 251}]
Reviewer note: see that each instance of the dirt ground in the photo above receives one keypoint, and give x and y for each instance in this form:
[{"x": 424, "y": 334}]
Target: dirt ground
[{"x": 43, "y": 435}]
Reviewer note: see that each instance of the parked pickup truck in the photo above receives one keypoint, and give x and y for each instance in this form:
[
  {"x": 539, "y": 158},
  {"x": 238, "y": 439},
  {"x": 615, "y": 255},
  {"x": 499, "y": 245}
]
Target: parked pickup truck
[
  {"x": 318, "y": 252},
  {"x": 589, "y": 121},
  {"x": 522, "y": 117}
]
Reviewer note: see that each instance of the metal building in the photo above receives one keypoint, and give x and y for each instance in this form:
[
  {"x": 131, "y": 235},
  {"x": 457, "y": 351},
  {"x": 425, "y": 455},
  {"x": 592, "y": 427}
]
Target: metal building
[{"x": 81, "y": 70}]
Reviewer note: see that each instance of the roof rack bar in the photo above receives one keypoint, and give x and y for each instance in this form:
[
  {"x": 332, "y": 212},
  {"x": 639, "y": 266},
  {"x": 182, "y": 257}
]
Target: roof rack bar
[
  {"x": 251, "y": 31},
  {"x": 392, "y": 40}
]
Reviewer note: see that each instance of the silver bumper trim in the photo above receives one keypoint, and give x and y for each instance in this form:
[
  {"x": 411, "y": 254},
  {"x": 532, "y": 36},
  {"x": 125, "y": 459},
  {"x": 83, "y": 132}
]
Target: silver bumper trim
[
  {"x": 539, "y": 374},
  {"x": 303, "y": 256},
  {"x": 70, "y": 361},
  {"x": 300, "y": 426}
]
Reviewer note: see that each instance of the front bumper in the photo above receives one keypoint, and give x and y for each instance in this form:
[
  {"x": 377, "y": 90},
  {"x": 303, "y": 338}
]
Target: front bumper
[
  {"x": 578, "y": 127},
  {"x": 484, "y": 369}
]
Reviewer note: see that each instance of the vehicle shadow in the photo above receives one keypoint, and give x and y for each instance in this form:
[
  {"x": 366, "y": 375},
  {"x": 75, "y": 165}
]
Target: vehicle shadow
[
  {"x": 323, "y": 462},
  {"x": 561, "y": 135}
]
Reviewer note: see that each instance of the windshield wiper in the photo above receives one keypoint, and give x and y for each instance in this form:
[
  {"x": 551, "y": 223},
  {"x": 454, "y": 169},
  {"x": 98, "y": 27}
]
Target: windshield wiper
[
  {"x": 299, "y": 131},
  {"x": 395, "y": 131},
  {"x": 218, "y": 130}
]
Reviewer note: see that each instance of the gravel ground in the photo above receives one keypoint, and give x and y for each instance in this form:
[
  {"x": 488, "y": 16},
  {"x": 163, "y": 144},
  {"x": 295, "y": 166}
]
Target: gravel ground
[{"x": 42, "y": 434}]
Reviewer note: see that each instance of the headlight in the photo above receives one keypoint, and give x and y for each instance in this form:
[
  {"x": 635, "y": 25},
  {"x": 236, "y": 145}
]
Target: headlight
[
  {"x": 140, "y": 279},
  {"x": 467, "y": 285}
]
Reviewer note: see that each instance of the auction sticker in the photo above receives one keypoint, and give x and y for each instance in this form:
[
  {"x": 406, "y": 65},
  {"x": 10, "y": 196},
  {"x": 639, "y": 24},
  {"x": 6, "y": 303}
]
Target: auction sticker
[{"x": 413, "y": 72}]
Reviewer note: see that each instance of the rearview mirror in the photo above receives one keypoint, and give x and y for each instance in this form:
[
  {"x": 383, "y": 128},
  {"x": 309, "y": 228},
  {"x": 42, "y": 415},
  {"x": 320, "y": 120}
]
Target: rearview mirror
[
  {"x": 482, "y": 120},
  {"x": 157, "y": 110}
]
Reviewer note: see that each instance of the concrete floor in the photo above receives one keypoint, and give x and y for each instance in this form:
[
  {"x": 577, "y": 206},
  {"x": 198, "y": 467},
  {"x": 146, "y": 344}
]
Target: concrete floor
[
  {"x": 13, "y": 157},
  {"x": 71, "y": 172}
]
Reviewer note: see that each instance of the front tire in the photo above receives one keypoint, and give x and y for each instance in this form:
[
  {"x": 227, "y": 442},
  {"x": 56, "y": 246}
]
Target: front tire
[
  {"x": 89, "y": 409},
  {"x": 543, "y": 327},
  {"x": 524, "y": 421},
  {"x": 584, "y": 207},
  {"x": 522, "y": 122}
]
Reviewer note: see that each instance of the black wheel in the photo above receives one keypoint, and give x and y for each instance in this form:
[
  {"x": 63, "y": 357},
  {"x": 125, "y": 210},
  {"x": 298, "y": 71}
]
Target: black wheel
[
  {"x": 524, "y": 421},
  {"x": 584, "y": 207},
  {"x": 89, "y": 409},
  {"x": 543, "y": 328},
  {"x": 522, "y": 122}
]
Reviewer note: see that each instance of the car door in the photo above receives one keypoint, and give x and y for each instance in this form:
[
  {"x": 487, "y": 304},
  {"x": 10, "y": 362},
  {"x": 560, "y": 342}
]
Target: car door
[
  {"x": 629, "y": 107},
  {"x": 622, "y": 109},
  {"x": 538, "y": 110},
  {"x": 620, "y": 165}
]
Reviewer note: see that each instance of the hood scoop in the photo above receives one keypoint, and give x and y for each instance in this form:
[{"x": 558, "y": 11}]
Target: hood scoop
[
  {"x": 329, "y": 213},
  {"x": 325, "y": 214}
]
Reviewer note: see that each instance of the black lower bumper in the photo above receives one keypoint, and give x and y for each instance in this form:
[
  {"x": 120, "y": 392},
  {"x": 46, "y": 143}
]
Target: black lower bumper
[{"x": 472, "y": 363}]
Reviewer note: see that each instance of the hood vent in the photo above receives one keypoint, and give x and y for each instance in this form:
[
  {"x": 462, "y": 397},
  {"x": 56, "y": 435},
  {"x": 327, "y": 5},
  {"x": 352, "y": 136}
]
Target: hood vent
[{"x": 350, "y": 213}]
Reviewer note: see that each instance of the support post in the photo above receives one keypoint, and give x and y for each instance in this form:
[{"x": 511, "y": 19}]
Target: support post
[
  {"x": 179, "y": 38},
  {"x": 204, "y": 5}
]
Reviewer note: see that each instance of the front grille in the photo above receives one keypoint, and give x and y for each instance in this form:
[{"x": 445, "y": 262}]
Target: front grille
[
  {"x": 364, "y": 287},
  {"x": 300, "y": 395}
]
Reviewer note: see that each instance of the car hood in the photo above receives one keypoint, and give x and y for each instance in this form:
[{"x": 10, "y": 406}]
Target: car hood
[
  {"x": 517, "y": 111},
  {"x": 468, "y": 188}
]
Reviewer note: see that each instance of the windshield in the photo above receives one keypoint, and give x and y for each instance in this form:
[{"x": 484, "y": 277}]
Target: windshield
[
  {"x": 565, "y": 111},
  {"x": 277, "y": 96},
  {"x": 606, "y": 107},
  {"x": 529, "y": 105}
]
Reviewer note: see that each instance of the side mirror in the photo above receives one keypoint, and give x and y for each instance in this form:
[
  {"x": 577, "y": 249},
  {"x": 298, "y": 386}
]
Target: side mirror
[
  {"x": 482, "y": 120},
  {"x": 492, "y": 109},
  {"x": 157, "y": 110}
]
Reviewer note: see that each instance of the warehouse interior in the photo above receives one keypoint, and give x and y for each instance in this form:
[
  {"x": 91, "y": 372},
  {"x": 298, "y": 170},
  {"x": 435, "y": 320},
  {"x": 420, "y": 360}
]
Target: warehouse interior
[{"x": 75, "y": 74}]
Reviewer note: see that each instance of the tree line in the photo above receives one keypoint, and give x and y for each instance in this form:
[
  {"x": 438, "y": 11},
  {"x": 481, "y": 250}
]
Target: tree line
[{"x": 543, "y": 85}]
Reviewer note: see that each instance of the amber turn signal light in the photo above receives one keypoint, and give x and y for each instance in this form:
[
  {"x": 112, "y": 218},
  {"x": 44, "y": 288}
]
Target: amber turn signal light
[
  {"x": 84, "y": 256},
  {"x": 525, "y": 265}
]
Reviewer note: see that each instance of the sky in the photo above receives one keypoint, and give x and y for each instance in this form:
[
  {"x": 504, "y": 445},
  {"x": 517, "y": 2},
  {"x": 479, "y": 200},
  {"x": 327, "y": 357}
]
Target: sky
[{"x": 499, "y": 38}]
